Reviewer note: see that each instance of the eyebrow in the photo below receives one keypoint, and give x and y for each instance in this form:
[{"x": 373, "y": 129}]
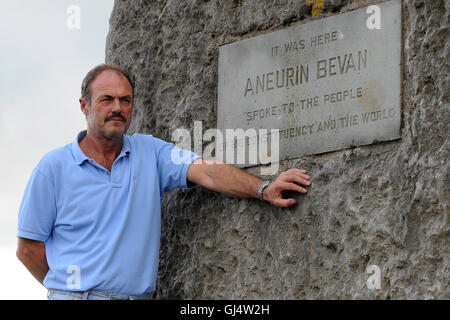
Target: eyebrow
[{"x": 111, "y": 97}]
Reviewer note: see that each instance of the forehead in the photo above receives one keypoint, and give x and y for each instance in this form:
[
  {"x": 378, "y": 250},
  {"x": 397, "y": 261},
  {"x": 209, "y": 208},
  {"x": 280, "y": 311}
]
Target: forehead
[{"x": 112, "y": 83}]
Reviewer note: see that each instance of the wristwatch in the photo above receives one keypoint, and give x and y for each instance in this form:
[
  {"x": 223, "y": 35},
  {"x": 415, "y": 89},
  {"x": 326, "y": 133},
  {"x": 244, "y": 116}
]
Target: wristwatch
[{"x": 262, "y": 186}]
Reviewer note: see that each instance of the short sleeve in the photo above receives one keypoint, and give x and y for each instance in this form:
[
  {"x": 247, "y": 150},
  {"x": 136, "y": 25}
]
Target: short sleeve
[
  {"x": 173, "y": 164},
  {"x": 37, "y": 211}
]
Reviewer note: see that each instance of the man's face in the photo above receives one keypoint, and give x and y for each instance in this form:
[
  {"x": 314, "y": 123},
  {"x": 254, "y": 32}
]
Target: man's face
[{"x": 109, "y": 113}]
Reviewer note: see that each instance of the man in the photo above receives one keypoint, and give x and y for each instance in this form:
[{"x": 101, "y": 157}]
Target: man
[{"x": 89, "y": 222}]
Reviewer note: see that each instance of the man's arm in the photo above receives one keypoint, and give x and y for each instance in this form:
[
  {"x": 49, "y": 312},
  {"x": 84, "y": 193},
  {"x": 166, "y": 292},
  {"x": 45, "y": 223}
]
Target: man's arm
[
  {"x": 32, "y": 254},
  {"x": 225, "y": 178}
]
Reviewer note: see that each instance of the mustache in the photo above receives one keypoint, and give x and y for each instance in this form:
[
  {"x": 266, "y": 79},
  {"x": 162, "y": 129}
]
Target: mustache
[{"x": 116, "y": 115}]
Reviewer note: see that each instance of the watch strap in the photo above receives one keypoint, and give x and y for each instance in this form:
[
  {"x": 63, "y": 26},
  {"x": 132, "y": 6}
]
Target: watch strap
[{"x": 261, "y": 188}]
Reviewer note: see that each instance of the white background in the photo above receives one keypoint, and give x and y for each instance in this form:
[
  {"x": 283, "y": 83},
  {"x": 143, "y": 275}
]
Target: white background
[{"x": 42, "y": 64}]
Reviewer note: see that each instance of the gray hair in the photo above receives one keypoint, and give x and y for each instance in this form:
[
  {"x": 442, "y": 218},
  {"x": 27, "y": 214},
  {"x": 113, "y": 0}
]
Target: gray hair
[{"x": 91, "y": 75}]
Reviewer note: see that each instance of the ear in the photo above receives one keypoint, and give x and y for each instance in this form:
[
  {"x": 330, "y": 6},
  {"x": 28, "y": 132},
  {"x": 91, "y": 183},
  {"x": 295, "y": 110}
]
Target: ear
[{"x": 84, "y": 106}]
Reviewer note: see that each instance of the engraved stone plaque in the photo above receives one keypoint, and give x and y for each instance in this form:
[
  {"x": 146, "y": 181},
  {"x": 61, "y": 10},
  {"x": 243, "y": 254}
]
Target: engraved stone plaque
[{"x": 328, "y": 84}]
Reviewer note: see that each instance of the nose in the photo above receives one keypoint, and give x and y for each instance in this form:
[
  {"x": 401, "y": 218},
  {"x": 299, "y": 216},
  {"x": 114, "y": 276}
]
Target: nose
[{"x": 116, "y": 108}]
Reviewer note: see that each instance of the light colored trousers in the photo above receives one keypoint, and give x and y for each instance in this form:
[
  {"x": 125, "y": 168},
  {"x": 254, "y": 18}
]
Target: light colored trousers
[{"x": 54, "y": 294}]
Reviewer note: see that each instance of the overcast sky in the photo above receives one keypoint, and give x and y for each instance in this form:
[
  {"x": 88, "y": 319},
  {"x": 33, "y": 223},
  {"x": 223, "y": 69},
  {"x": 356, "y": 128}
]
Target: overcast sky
[{"x": 42, "y": 64}]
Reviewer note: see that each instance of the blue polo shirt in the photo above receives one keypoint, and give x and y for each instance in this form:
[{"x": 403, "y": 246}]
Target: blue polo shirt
[{"x": 102, "y": 229}]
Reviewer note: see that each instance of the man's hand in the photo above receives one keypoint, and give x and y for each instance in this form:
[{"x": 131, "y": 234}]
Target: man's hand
[
  {"x": 225, "y": 178},
  {"x": 288, "y": 180}
]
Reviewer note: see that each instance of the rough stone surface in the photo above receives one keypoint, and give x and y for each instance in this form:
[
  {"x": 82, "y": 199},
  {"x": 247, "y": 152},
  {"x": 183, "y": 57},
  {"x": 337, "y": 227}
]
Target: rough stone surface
[{"x": 384, "y": 204}]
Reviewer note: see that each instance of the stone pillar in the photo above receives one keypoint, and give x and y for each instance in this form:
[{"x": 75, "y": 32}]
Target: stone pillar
[{"x": 383, "y": 205}]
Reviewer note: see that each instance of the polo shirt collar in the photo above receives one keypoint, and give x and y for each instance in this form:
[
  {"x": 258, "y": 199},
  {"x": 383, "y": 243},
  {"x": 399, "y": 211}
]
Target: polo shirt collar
[{"x": 80, "y": 157}]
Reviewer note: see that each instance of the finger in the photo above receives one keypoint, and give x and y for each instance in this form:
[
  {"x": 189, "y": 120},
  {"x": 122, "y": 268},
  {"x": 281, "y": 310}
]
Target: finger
[
  {"x": 301, "y": 179},
  {"x": 292, "y": 186},
  {"x": 284, "y": 202},
  {"x": 296, "y": 171},
  {"x": 302, "y": 174}
]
